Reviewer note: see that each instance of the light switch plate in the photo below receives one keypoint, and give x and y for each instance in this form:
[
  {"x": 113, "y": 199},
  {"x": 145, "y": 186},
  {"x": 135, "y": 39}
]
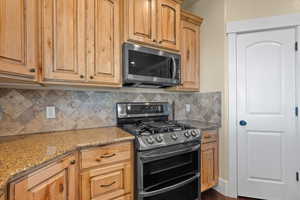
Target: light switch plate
[
  {"x": 50, "y": 112},
  {"x": 188, "y": 107}
]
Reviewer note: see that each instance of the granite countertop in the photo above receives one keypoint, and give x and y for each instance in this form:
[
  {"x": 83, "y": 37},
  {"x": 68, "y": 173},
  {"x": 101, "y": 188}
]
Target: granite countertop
[
  {"x": 201, "y": 125},
  {"x": 20, "y": 154}
]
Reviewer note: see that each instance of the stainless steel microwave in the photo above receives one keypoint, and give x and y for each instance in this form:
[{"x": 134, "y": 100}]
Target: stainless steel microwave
[{"x": 147, "y": 67}]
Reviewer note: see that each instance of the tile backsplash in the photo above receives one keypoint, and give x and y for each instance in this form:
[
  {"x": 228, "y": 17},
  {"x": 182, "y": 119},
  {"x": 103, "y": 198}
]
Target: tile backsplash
[{"x": 24, "y": 111}]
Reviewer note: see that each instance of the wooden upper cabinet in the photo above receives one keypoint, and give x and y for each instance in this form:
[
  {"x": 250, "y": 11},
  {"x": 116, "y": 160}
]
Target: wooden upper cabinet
[
  {"x": 63, "y": 41},
  {"x": 55, "y": 182},
  {"x": 19, "y": 39},
  {"x": 190, "y": 52},
  {"x": 168, "y": 19},
  {"x": 104, "y": 47},
  {"x": 153, "y": 22},
  {"x": 142, "y": 21}
]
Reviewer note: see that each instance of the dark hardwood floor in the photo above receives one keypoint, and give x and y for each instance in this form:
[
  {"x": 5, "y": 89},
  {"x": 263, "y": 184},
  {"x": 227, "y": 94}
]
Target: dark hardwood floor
[{"x": 213, "y": 195}]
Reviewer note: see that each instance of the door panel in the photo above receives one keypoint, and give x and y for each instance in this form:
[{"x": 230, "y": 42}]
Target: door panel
[
  {"x": 168, "y": 19},
  {"x": 53, "y": 189},
  {"x": 64, "y": 40},
  {"x": 266, "y": 101},
  {"x": 190, "y": 34},
  {"x": 104, "y": 32},
  {"x": 58, "y": 181},
  {"x": 19, "y": 38},
  {"x": 142, "y": 21}
]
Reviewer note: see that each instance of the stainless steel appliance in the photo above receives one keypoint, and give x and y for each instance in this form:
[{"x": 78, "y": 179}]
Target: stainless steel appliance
[
  {"x": 146, "y": 67},
  {"x": 167, "y": 152}
]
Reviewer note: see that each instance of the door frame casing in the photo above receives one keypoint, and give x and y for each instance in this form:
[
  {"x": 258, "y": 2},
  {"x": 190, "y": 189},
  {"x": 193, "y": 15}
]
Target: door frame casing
[{"x": 233, "y": 30}]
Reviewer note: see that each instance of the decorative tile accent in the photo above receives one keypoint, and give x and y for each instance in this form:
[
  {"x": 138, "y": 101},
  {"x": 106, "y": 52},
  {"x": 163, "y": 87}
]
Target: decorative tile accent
[{"x": 23, "y": 111}]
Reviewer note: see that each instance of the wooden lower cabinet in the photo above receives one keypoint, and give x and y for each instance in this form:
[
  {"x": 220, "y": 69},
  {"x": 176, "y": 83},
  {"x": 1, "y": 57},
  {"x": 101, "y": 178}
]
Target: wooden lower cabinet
[
  {"x": 209, "y": 160},
  {"x": 58, "y": 181},
  {"x": 107, "y": 172},
  {"x": 107, "y": 182}
]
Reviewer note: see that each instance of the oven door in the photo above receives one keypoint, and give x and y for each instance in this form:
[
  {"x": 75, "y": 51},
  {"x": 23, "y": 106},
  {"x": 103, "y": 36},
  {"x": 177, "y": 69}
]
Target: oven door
[
  {"x": 169, "y": 173},
  {"x": 150, "y": 66}
]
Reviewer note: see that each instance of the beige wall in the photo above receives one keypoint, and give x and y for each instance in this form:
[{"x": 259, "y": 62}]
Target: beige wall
[
  {"x": 247, "y": 9},
  {"x": 214, "y": 67},
  {"x": 212, "y": 57}
]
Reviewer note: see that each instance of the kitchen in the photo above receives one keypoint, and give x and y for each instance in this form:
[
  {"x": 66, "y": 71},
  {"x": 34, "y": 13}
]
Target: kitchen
[{"x": 133, "y": 99}]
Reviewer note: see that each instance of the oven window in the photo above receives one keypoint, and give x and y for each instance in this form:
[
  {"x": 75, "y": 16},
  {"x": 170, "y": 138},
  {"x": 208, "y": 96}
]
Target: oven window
[
  {"x": 170, "y": 171},
  {"x": 187, "y": 192},
  {"x": 145, "y": 64}
]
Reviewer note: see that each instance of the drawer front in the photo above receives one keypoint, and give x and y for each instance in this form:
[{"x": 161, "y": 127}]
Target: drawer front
[
  {"x": 108, "y": 182},
  {"x": 105, "y": 155},
  {"x": 209, "y": 136}
]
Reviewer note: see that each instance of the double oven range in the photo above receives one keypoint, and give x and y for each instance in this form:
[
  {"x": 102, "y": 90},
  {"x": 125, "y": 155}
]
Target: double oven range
[{"x": 167, "y": 152}]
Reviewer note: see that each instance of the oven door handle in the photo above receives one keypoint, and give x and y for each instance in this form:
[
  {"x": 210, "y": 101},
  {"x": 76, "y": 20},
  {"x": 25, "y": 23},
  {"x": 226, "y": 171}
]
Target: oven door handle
[
  {"x": 170, "y": 188},
  {"x": 152, "y": 157}
]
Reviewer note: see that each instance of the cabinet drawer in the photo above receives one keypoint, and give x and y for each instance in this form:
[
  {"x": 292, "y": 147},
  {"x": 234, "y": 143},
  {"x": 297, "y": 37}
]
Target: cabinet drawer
[
  {"x": 107, "y": 182},
  {"x": 209, "y": 136},
  {"x": 105, "y": 155}
]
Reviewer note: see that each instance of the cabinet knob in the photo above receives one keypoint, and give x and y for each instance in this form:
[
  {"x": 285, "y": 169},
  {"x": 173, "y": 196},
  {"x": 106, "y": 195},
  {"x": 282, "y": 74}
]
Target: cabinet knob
[
  {"x": 91, "y": 77},
  {"x": 160, "y": 42},
  {"x": 73, "y": 162},
  {"x": 32, "y": 70},
  {"x": 61, "y": 188},
  {"x": 154, "y": 40},
  {"x": 81, "y": 76}
]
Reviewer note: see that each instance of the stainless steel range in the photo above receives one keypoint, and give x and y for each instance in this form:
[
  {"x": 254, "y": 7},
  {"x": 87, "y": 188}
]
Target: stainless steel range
[{"x": 167, "y": 152}]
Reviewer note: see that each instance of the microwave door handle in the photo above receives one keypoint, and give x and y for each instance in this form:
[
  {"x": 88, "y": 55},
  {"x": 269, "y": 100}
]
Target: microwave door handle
[{"x": 174, "y": 68}]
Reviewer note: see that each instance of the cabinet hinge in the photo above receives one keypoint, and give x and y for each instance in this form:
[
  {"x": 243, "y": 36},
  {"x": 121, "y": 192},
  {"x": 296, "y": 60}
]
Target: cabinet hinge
[
  {"x": 296, "y": 46},
  {"x": 297, "y": 176},
  {"x": 296, "y": 111}
]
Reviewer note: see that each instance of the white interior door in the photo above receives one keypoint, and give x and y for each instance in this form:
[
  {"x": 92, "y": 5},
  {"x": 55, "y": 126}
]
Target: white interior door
[{"x": 266, "y": 115}]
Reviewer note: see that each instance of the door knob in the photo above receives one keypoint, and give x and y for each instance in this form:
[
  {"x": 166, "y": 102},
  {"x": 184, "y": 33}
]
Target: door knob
[{"x": 243, "y": 123}]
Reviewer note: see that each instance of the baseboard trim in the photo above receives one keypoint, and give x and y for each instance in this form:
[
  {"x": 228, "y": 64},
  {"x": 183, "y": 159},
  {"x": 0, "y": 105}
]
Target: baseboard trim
[{"x": 222, "y": 187}]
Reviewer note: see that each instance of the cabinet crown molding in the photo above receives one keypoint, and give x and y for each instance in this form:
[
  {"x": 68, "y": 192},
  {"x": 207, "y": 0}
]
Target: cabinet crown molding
[{"x": 190, "y": 17}]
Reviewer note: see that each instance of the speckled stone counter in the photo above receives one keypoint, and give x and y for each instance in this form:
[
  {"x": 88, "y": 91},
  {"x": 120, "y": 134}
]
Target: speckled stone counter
[
  {"x": 201, "y": 125},
  {"x": 20, "y": 154}
]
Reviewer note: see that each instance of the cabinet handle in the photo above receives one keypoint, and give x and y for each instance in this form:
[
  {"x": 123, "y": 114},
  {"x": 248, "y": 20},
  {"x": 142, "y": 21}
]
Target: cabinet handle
[
  {"x": 91, "y": 77},
  {"x": 108, "y": 156},
  {"x": 61, "y": 188},
  {"x": 32, "y": 70},
  {"x": 160, "y": 42},
  {"x": 73, "y": 162},
  {"x": 207, "y": 136},
  {"x": 108, "y": 185},
  {"x": 81, "y": 76}
]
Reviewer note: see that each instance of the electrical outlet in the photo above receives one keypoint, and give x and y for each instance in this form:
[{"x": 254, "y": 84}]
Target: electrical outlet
[
  {"x": 187, "y": 107},
  {"x": 50, "y": 112}
]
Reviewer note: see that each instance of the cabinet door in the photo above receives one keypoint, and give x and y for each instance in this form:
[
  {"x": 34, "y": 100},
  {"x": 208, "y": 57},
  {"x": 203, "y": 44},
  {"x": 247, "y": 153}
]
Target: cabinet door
[
  {"x": 190, "y": 66},
  {"x": 168, "y": 19},
  {"x": 19, "y": 38},
  {"x": 63, "y": 40},
  {"x": 141, "y": 21},
  {"x": 209, "y": 165},
  {"x": 104, "y": 54},
  {"x": 107, "y": 182},
  {"x": 56, "y": 182}
]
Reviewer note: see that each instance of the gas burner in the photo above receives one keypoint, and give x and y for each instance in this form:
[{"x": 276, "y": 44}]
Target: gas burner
[{"x": 154, "y": 130}]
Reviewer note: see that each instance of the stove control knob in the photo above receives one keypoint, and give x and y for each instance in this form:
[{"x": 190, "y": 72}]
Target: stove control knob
[
  {"x": 159, "y": 139},
  {"x": 194, "y": 133},
  {"x": 150, "y": 140},
  {"x": 187, "y": 134},
  {"x": 174, "y": 136}
]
